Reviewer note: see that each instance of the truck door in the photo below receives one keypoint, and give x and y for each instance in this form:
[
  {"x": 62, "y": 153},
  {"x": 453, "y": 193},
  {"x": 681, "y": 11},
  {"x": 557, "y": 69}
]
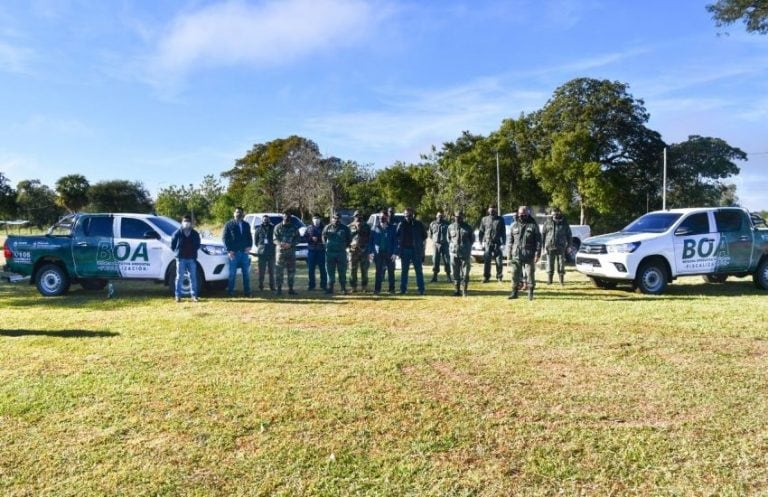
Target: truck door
[
  {"x": 139, "y": 249},
  {"x": 695, "y": 245},
  {"x": 92, "y": 247},
  {"x": 736, "y": 239}
]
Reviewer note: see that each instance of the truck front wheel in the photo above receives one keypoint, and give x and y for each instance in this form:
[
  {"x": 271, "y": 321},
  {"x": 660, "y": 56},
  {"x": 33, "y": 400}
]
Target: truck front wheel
[
  {"x": 52, "y": 280},
  {"x": 761, "y": 275},
  {"x": 652, "y": 278}
]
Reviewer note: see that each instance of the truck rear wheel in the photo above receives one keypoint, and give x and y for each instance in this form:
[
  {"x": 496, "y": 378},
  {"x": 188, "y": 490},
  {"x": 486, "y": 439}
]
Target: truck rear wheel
[
  {"x": 52, "y": 280},
  {"x": 652, "y": 278},
  {"x": 761, "y": 275}
]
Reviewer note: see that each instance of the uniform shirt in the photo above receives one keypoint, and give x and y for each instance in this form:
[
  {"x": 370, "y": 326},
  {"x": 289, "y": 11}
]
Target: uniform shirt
[
  {"x": 360, "y": 233},
  {"x": 556, "y": 235},
  {"x": 525, "y": 240},
  {"x": 438, "y": 232},
  {"x": 286, "y": 233},
  {"x": 461, "y": 236},
  {"x": 336, "y": 237},
  {"x": 492, "y": 230},
  {"x": 263, "y": 238}
]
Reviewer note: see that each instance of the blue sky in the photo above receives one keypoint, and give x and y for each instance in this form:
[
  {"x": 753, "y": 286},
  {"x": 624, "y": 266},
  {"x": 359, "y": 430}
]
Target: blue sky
[{"x": 167, "y": 92}]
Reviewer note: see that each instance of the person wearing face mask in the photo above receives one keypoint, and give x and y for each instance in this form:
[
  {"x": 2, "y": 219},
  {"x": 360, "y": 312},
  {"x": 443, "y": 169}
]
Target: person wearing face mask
[
  {"x": 265, "y": 250},
  {"x": 381, "y": 250},
  {"x": 286, "y": 236},
  {"x": 238, "y": 242},
  {"x": 493, "y": 236},
  {"x": 336, "y": 238},
  {"x": 438, "y": 233},
  {"x": 410, "y": 248},
  {"x": 460, "y": 240},
  {"x": 524, "y": 250},
  {"x": 557, "y": 239},
  {"x": 316, "y": 253},
  {"x": 185, "y": 243}
]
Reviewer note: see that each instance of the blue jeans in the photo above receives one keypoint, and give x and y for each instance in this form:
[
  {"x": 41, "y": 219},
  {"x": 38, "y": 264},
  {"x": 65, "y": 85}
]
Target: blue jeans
[
  {"x": 408, "y": 257},
  {"x": 188, "y": 266},
  {"x": 316, "y": 260},
  {"x": 243, "y": 261}
]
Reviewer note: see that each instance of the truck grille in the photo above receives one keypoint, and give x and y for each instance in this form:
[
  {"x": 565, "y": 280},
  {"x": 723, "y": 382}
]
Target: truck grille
[
  {"x": 588, "y": 261},
  {"x": 587, "y": 248}
]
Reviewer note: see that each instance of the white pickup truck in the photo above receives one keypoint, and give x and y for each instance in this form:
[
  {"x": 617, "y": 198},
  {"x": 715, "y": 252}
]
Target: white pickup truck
[{"x": 660, "y": 246}]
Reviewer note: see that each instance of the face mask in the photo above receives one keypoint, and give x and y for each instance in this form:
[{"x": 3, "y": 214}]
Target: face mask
[
  {"x": 239, "y": 216},
  {"x": 316, "y": 223},
  {"x": 186, "y": 225}
]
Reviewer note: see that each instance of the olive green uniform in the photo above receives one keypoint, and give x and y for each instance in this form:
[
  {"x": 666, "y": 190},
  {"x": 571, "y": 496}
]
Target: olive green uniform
[
  {"x": 461, "y": 236},
  {"x": 525, "y": 248},
  {"x": 286, "y": 238},
  {"x": 336, "y": 238},
  {"x": 360, "y": 233},
  {"x": 557, "y": 239}
]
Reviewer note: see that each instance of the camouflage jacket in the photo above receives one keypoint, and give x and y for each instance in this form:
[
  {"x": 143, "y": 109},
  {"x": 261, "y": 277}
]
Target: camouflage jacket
[
  {"x": 461, "y": 236},
  {"x": 360, "y": 234},
  {"x": 286, "y": 233},
  {"x": 525, "y": 241}
]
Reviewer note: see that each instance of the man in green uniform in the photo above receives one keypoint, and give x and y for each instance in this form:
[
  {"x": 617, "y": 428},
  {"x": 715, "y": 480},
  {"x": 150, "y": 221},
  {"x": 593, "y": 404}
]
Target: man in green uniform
[
  {"x": 358, "y": 251},
  {"x": 438, "y": 233},
  {"x": 460, "y": 238},
  {"x": 336, "y": 238},
  {"x": 524, "y": 250},
  {"x": 493, "y": 236},
  {"x": 557, "y": 238},
  {"x": 286, "y": 235}
]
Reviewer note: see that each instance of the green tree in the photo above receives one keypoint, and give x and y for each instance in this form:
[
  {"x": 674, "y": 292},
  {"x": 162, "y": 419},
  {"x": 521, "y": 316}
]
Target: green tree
[
  {"x": 119, "y": 196},
  {"x": 37, "y": 203},
  {"x": 696, "y": 168},
  {"x": 72, "y": 192},
  {"x": 591, "y": 138},
  {"x": 754, "y": 14},
  {"x": 7, "y": 199}
]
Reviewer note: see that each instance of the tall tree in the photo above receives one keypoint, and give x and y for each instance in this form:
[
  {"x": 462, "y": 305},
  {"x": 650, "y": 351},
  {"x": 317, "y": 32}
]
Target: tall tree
[
  {"x": 7, "y": 198},
  {"x": 590, "y": 134},
  {"x": 119, "y": 196},
  {"x": 754, "y": 14},
  {"x": 72, "y": 192},
  {"x": 37, "y": 203},
  {"x": 696, "y": 168}
]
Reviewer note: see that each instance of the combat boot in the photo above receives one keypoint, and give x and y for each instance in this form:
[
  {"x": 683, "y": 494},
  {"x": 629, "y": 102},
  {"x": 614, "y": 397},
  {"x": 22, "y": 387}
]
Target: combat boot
[
  {"x": 279, "y": 290},
  {"x": 448, "y": 278},
  {"x": 457, "y": 292},
  {"x": 343, "y": 289},
  {"x": 364, "y": 289},
  {"x": 512, "y": 295},
  {"x": 562, "y": 280},
  {"x": 549, "y": 278},
  {"x": 291, "y": 291},
  {"x": 354, "y": 289},
  {"x": 434, "y": 278},
  {"x": 530, "y": 293},
  {"x": 329, "y": 288},
  {"x": 464, "y": 289}
]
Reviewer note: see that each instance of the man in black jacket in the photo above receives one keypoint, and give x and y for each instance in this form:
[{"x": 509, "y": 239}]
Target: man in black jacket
[
  {"x": 238, "y": 242},
  {"x": 410, "y": 236},
  {"x": 185, "y": 243}
]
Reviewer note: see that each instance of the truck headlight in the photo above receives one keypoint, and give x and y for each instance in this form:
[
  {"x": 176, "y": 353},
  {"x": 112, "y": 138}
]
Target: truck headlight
[
  {"x": 622, "y": 248},
  {"x": 214, "y": 249}
]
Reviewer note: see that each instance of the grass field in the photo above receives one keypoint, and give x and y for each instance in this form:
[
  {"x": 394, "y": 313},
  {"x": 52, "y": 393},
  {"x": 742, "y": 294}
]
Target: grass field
[{"x": 580, "y": 392}]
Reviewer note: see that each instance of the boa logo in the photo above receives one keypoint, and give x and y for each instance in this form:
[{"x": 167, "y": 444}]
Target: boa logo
[
  {"x": 703, "y": 249},
  {"x": 122, "y": 252}
]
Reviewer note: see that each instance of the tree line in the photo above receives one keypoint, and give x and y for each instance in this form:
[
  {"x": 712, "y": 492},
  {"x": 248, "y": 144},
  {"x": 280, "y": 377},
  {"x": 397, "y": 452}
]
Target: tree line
[{"x": 588, "y": 150}]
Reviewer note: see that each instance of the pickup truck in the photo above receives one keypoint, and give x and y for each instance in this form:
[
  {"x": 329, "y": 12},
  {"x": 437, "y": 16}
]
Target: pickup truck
[
  {"x": 660, "y": 246},
  {"x": 92, "y": 249}
]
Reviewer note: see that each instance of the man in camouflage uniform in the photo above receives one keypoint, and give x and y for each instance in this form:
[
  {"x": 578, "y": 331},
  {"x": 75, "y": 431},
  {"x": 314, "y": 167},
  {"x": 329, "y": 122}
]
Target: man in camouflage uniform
[
  {"x": 315, "y": 253},
  {"x": 460, "y": 237},
  {"x": 438, "y": 233},
  {"x": 336, "y": 238},
  {"x": 557, "y": 239},
  {"x": 265, "y": 251},
  {"x": 358, "y": 251},
  {"x": 286, "y": 236},
  {"x": 493, "y": 236},
  {"x": 524, "y": 250}
]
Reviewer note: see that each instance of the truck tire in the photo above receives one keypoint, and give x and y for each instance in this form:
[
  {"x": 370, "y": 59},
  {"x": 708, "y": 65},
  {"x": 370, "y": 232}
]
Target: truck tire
[
  {"x": 93, "y": 284},
  {"x": 185, "y": 286},
  {"x": 715, "y": 278},
  {"x": 652, "y": 278},
  {"x": 52, "y": 280},
  {"x": 761, "y": 275},
  {"x": 603, "y": 283}
]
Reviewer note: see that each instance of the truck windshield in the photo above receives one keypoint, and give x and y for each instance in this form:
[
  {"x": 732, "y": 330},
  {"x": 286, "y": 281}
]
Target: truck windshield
[
  {"x": 166, "y": 224},
  {"x": 657, "y": 222}
]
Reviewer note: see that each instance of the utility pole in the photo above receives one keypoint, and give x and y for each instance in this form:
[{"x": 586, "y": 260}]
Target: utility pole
[
  {"x": 664, "y": 183},
  {"x": 498, "y": 183}
]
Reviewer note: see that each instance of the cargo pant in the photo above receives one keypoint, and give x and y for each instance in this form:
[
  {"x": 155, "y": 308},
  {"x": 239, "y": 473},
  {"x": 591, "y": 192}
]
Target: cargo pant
[
  {"x": 359, "y": 259},
  {"x": 267, "y": 265},
  {"x": 286, "y": 262},
  {"x": 523, "y": 269},
  {"x": 441, "y": 255},
  {"x": 555, "y": 257},
  {"x": 336, "y": 262},
  {"x": 493, "y": 253},
  {"x": 460, "y": 266}
]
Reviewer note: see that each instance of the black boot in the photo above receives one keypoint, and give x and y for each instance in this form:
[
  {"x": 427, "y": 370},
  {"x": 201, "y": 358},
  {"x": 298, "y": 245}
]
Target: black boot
[
  {"x": 329, "y": 288},
  {"x": 530, "y": 293},
  {"x": 464, "y": 289},
  {"x": 549, "y": 278},
  {"x": 291, "y": 291},
  {"x": 457, "y": 292},
  {"x": 562, "y": 280},
  {"x": 434, "y": 278},
  {"x": 513, "y": 295}
]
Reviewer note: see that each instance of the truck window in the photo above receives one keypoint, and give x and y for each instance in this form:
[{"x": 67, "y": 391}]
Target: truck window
[
  {"x": 133, "y": 228},
  {"x": 98, "y": 226},
  {"x": 695, "y": 224},
  {"x": 729, "y": 221}
]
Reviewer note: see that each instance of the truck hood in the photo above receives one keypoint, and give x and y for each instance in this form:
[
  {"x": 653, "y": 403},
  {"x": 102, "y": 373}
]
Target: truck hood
[{"x": 619, "y": 237}]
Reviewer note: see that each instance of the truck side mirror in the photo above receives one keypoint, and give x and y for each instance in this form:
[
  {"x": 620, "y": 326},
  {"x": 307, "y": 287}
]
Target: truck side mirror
[{"x": 683, "y": 231}]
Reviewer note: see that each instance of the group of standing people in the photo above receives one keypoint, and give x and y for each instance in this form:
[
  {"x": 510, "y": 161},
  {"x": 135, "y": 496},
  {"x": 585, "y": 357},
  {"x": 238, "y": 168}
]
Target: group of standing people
[{"x": 328, "y": 246}]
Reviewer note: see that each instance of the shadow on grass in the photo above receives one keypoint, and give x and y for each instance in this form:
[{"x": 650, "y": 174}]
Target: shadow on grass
[{"x": 59, "y": 333}]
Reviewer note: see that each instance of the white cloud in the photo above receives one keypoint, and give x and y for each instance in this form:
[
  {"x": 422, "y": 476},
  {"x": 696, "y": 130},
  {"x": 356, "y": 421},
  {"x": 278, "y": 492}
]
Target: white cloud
[{"x": 268, "y": 33}]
